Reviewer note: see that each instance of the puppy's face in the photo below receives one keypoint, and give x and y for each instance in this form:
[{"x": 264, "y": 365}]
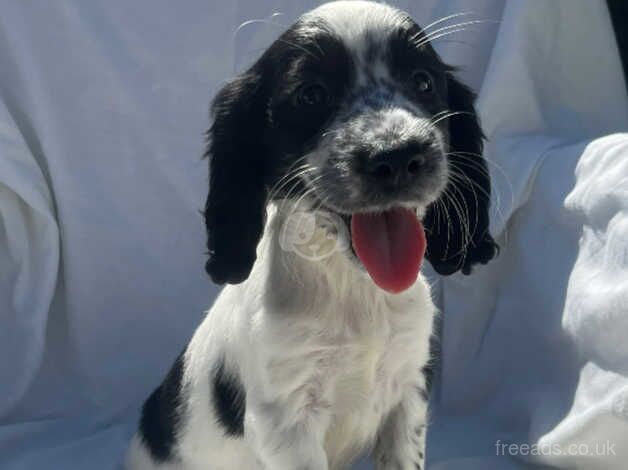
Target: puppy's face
[
  {"x": 352, "y": 110},
  {"x": 358, "y": 110}
]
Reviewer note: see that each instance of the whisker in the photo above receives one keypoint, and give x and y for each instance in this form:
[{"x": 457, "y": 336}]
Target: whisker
[
  {"x": 445, "y": 30},
  {"x": 437, "y": 36},
  {"x": 469, "y": 181},
  {"x": 448, "y": 115},
  {"x": 442, "y": 210},
  {"x": 467, "y": 156},
  {"x": 260, "y": 20},
  {"x": 463, "y": 213},
  {"x": 310, "y": 53},
  {"x": 498, "y": 201},
  {"x": 446, "y": 18},
  {"x": 470, "y": 159},
  {"x": 306, "y": 193},
  {"x": 290, "y": 171},
  {"x": 464, "y": 232},
  {"x": 421, "y": 36},
  {"x": 456, "y": 177},
  {"x": 288, "y": 178}
]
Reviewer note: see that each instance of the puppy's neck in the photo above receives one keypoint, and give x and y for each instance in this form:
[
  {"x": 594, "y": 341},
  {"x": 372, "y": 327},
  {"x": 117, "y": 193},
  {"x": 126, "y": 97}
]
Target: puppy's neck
[
  {"x": 309, "y": 248},
  {"x": 304, "y": 265}
]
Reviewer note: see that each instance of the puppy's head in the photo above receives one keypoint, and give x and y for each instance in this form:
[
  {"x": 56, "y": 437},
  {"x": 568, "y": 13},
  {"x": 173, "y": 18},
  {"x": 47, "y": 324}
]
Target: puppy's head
[{"x": 352, "y": 110}]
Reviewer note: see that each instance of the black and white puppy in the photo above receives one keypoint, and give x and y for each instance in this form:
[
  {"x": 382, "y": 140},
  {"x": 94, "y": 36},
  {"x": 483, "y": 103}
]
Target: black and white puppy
[{"x": 343, "y": 152}]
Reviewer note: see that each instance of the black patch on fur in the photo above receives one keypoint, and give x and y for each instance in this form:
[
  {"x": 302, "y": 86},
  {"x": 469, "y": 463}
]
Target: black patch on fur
[
  {"x": 235, "y": 207},
  {"x": 457, "y": 239},
  {"x": 257, "y": 133},
  {"x": 406, "y": 57},
  {"x": 161, "y": 414},
  {"x": 228, "y": 400},
  {"x": 297, "y": 60}
]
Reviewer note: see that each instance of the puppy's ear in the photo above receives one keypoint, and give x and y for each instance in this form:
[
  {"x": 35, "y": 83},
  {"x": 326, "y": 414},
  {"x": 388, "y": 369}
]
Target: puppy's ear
[
  {"x": 236, "y": 204},
  {"x": 457, "y": 225}
]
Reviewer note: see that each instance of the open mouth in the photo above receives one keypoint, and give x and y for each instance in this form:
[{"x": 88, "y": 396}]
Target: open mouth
[{"x": 390, "y": 244}]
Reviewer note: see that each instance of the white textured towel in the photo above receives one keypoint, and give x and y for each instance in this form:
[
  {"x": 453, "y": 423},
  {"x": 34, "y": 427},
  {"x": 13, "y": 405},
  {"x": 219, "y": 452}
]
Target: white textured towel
[{"x": 103, "y": 105}]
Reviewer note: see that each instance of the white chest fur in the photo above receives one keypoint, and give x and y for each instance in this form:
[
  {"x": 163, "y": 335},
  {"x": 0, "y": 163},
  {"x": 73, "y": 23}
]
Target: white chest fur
[
  {"x": 323, "y": 357},
  {"x": 340, "y": 348}
]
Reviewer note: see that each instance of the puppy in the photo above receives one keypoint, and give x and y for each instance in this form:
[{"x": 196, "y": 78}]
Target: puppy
[{"x": 342, "y": 155}]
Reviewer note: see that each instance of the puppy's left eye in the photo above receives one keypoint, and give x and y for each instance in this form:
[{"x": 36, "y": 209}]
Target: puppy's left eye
[
  {"x": 423, "y": 82},
  {"x": 312, "y": 95}
]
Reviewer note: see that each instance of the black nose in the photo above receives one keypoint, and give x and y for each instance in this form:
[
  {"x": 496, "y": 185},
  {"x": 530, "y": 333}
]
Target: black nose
[{"x": 397, "y": 165}]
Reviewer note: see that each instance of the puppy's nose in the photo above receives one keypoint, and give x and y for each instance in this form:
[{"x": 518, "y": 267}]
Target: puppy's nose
[{"x": 396, "y": 165}]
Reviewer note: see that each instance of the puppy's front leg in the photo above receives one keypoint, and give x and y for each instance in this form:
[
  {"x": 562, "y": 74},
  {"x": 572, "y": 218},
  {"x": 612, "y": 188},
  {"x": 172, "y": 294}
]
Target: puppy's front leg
[
  {"x": 401, "y": 438},
  {"x": 286, "y": 438}
]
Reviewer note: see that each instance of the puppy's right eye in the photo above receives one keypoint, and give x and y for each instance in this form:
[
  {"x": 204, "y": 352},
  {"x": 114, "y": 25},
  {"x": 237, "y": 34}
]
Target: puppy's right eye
[
  {"x": 423, "y": 82},
  {"x": 312, "y": 95}
]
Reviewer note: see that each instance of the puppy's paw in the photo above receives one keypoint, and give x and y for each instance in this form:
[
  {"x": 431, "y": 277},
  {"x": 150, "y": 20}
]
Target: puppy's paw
[{"x": 480, "y": 252}]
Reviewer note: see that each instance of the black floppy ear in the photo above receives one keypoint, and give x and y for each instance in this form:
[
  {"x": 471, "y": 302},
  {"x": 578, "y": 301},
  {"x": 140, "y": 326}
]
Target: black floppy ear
[
  {"x": 457, "y": 225},
  {"x": 236, "y": 204}
]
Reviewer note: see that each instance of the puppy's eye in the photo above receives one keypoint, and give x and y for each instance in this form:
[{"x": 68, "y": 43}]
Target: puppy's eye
[
  {"x": 312, "y": 95},
  {"x": 423, "y": 83}
]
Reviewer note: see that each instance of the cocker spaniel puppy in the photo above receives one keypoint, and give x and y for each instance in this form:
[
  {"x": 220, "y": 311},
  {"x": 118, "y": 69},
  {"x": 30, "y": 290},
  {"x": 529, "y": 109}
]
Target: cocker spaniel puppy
[{"x": 345, "y": 155}]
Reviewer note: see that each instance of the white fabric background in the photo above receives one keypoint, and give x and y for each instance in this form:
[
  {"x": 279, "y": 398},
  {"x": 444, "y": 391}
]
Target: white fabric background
[{"x": 102, "y": 109}]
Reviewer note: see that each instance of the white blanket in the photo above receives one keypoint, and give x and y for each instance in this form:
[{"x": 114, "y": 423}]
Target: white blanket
[{"x": 102, "y": 110}]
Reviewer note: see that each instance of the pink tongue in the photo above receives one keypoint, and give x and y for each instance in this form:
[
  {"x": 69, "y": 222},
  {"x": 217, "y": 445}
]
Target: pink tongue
[{"x": 391, "y": 246}]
